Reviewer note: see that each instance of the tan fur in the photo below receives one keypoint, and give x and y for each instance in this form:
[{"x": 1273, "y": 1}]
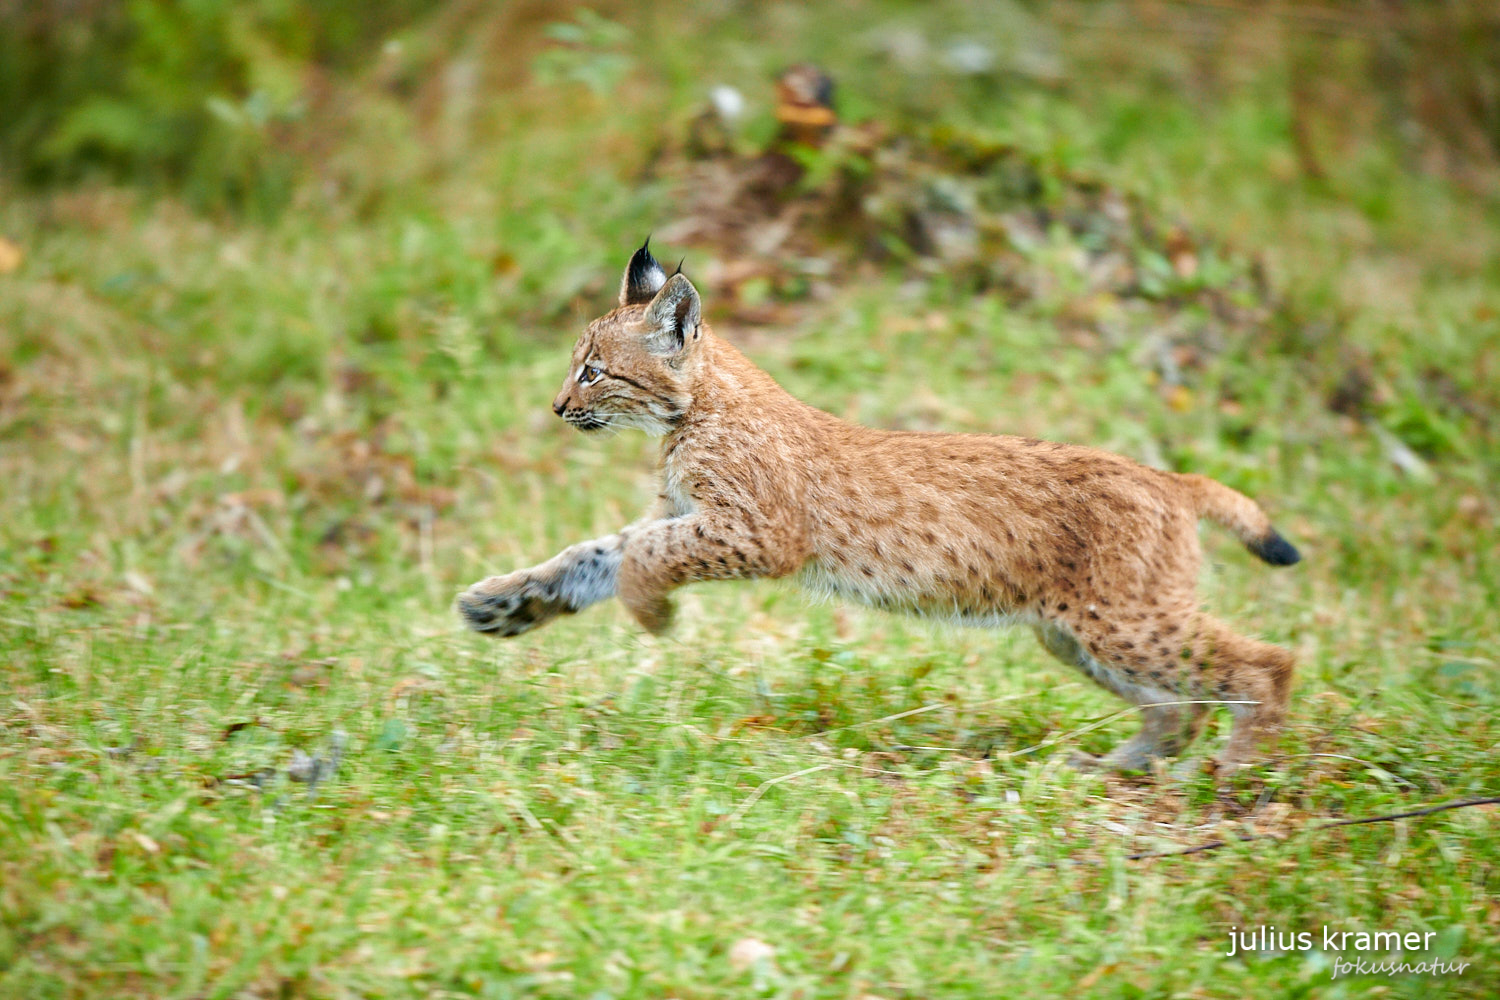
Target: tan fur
[{"x": 1098, "y": 554}]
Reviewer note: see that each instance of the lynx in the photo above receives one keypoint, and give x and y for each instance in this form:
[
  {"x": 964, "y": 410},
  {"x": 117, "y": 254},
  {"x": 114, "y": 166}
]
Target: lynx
[{"x": 1099, "y": 555}]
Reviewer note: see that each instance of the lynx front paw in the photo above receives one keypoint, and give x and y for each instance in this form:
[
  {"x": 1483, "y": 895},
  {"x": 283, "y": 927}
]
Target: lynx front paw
[{"x": 509, "y": 605}]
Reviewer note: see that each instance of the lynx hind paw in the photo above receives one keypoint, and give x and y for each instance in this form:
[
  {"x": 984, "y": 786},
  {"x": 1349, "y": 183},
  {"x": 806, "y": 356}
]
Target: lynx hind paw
[{"x": 503, "y": 606}]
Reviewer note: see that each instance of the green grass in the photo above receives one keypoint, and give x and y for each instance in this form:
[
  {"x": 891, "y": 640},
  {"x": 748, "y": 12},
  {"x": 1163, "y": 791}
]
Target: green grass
[{"x": 247, "y": 466}]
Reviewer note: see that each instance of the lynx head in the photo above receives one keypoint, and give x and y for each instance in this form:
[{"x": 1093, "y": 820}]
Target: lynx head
[{"x": 636, "y": 365}]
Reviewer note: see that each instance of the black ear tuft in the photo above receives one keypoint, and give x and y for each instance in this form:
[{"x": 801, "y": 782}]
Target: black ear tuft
[
  {"x": 673, "y": 317},
  {"x": 679, "y": 267},
  {"x": 643, "y": 277}
]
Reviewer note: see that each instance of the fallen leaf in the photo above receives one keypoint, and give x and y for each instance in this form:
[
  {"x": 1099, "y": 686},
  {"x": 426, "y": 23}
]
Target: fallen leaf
[
  {"x": 83, "y": 597},
  {"x": 1097, "y": 974},
  {"x": 10, "y": 256},
  {"x": 1180, "y": 399},
  {"x": 235, "y": 727}
]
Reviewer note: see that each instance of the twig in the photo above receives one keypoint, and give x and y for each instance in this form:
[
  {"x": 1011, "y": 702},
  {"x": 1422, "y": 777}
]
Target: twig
[{"x": 1216, "y": 844}]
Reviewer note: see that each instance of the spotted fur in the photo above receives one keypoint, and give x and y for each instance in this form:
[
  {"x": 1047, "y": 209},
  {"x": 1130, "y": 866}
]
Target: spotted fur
[{"x": 1098, "y": 554}]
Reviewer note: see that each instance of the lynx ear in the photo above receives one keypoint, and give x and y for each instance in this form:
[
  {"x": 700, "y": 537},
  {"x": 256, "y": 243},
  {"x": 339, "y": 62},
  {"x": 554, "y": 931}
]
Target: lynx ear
[
  {"x": 643, "y": 277},
  {"x": 674, "y": 317}
]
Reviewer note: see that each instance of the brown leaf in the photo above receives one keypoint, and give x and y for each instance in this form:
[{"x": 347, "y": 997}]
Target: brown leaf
[
  {"x": 81, "y": 598},
  {"x": 10, "y": 256},
  {"x": 235, "y": 727},
  {"x": 1096, "y": 975}
]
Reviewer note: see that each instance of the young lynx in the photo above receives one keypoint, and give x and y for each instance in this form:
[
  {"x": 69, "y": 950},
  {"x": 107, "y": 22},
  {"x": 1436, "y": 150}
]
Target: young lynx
[{"x": 1098, "y": 554}]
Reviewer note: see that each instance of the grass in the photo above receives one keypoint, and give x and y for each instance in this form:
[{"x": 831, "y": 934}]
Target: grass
[{"x": 247, "y": 466}]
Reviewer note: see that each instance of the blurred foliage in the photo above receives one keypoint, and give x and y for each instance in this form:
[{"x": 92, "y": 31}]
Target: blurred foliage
[
  {"x": 1441, "y": 64},
  {"x": 589, "y": 51},
  {"x": 196, "y": 93},
  {"x": 221, "y": 100},
  {"x": 1433, "y": 68}
]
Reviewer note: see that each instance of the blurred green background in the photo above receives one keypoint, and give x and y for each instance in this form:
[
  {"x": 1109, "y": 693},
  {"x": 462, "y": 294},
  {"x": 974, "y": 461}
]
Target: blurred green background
[{"x": 286, "y": 288}]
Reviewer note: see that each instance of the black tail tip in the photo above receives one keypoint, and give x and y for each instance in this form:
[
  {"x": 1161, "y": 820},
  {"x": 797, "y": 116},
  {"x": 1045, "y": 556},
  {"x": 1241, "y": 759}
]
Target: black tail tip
[{"x": 1275, "y": 550}]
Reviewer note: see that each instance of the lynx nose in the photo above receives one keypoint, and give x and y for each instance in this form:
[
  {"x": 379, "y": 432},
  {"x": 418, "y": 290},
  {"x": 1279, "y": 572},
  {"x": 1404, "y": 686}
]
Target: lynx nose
[{"x": 558, "y": 405}]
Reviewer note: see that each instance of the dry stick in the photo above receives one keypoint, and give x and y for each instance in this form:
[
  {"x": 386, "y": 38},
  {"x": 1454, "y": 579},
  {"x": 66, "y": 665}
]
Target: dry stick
[{"x": 1215, "y": 844}]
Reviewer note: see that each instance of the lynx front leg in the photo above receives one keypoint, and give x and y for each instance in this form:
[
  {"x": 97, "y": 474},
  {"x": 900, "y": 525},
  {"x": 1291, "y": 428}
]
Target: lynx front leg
[
  {"x": 661, "y": 556},
  {"x": 570, "y": 581}
]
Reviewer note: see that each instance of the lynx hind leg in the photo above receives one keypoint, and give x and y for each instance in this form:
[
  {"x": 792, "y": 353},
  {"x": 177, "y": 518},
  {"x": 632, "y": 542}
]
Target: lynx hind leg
[
  {"x": 1166, "y": 728},
  {"x": 1252, "y": 672},
  {"x": 1212, "y": 662},
  {"x": 518, "y": 602},
  {"x": 1192, "y": 656}
]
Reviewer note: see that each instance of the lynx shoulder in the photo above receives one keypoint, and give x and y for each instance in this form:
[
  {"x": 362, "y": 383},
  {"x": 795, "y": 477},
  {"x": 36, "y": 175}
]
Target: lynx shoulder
[{"x": 1098, "y": 554}]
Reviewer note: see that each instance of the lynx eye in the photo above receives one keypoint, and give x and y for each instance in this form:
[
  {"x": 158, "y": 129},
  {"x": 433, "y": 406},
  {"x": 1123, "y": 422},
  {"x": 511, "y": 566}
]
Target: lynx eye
[{"x": 589, "y": 374}]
